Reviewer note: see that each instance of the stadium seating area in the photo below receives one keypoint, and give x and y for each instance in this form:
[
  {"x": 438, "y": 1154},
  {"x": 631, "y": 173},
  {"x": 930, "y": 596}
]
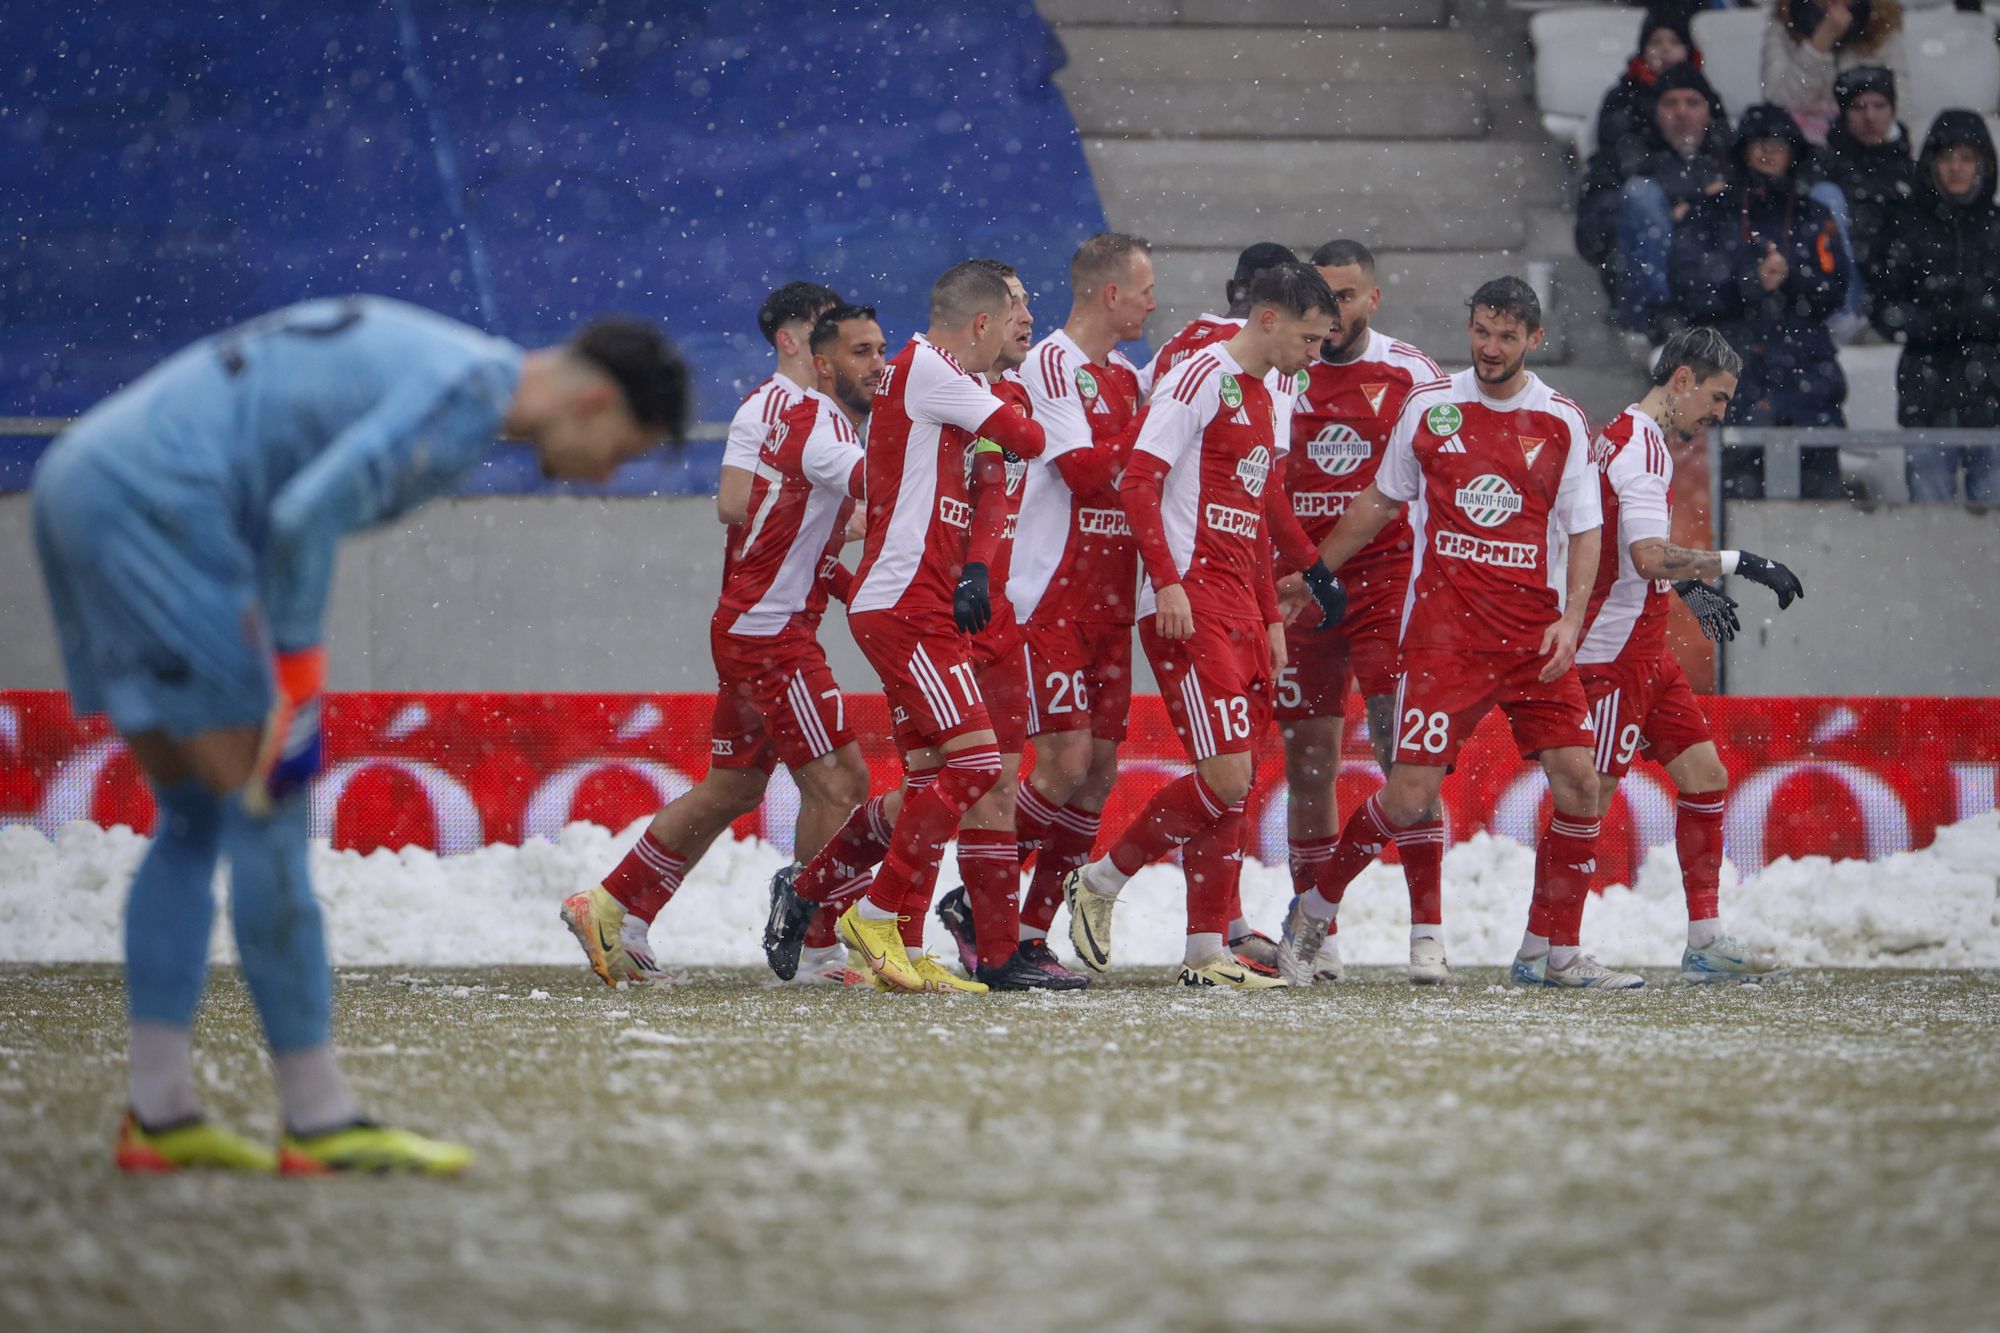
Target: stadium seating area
[
  {"x": 1949, "y": 60},
  {"x": 518, "y": 164}
]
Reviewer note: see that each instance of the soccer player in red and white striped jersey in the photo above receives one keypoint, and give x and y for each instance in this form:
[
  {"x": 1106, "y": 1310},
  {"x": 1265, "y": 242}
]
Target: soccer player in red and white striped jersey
[
  {"x": 776, "y": 698},
  {"x": 1341, "y": 421},
  {"x": 1505, "y": 525},
  {"x": 1205, "y": 329},
  {"x": 914, "y": 599},
  {"x": 1075, "y": 580},
  {"x": 1639, "y": 696},
  {"x": 786, "y": 319},
  {"x": 983, "y": 917},
  {"x": 1197, "y": 490}
]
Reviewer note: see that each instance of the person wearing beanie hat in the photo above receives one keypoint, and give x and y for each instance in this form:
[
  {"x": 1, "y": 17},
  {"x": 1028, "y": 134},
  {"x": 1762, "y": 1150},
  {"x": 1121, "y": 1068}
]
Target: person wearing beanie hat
[
  {"x": 1866, "y": 158},
  {"x": 1762, "y": 261},
  {"x": 1638, "y": 188},
  {"x": 1937, "y": 293},
  {"x": 1627, "y": 109}
]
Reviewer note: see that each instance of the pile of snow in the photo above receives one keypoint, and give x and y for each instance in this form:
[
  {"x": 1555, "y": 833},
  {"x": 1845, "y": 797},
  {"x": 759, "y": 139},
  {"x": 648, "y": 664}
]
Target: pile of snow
[{"x": 60, "y": 901}]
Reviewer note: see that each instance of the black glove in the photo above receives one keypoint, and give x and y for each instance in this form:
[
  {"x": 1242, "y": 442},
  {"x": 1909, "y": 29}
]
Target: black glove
[
  {"x": 1714, "y": 609},
  {"x": 1772, "y": 575},
  {"x": 971, "y": 606},
  {"x": 1326, "y": 590}
]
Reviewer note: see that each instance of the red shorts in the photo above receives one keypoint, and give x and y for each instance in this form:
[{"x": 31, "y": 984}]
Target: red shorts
[
  {"x": 1216, "y": 685},
  {"x": 927, "y": 675},
  {"x": 1445, "y": 693},
  {"x": 1079, "y": 676},
  {"x": 1373, "y": 628},
  {"x": 1318, "y": 666},
  {"x": 1642, "y": 706},
  {"x": 1000, "y": 657},
  {"x": 775, "y": 700}
]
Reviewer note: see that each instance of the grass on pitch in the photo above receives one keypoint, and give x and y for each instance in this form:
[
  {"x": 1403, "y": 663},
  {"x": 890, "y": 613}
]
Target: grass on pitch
[{"x": 727, "y": 1154}]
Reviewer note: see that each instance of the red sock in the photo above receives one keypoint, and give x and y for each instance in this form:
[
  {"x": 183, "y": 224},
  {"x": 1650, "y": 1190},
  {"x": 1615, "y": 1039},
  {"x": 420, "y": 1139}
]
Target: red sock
[
  {"x": 1307, "y": 856},
  {"x": 1422, "y": 850},
  {"x": 1033, "y": 816},
  {"x": 1065, "y": 848},
  {"x": 929, "y": 818},
  {"x": 992, "y": 874},
  {"x": 848, "y": 856},
  {"x": 1564, "y": 864},
  {"x": 1698, "y": 839},
  {"x": 917, "y": 906},
  {"x": 1213, "y": 859},
  {"x": 821, "y": 933},
  {"x": 1362, "y": 839},
  {"x": 647, "y": 877},
  {"x": 1176, "y": 813}
]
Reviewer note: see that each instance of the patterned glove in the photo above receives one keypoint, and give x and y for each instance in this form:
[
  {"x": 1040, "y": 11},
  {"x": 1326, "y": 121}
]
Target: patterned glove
[{"x": 1714, "y": 609}]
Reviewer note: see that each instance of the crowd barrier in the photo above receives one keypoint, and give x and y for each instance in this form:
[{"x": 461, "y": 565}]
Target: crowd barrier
[{"x": 453, "y": 772}]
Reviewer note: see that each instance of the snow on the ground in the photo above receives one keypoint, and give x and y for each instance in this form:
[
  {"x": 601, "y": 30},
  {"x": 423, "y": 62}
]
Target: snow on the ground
[{"x": 61, "y": 901}]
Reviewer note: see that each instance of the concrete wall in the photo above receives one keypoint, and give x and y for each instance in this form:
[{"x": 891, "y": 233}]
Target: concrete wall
[
  {"x": 526, "y": 593},
  {"x": 1904, "y": 599}
]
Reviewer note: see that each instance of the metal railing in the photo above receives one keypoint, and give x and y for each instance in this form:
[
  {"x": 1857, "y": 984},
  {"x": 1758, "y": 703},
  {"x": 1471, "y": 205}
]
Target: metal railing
[{"x": 1781, "y": 445}]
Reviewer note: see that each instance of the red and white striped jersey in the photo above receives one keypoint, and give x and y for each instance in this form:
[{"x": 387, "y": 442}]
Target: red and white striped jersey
[
  {"x": 1628, "y": 614},
  {"x": 805, "y": 480},
  {"x": 1216, "y": 429},
  {"x": 1199, "y": 333},
  {"x": 1011, "y": 389},
  {"x": 926, "y": 408},
  {"x": 756, "y": 418},
  {"x": 1077, "y": 560},
  {"x": 1495, "y": 490},
  {"x": 1341, "y": 422}
]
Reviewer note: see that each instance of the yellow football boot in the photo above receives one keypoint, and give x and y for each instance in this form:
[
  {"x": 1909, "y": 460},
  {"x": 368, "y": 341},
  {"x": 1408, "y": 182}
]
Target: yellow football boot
[
  {"x": 613, "y": 943},
  {"x": 879, "y": 945},
  {"x": 191, "y": 1144},
  {"x": 1231, "y": 973},
  {"x": 372, "y": 1149},
  {"x": 938, "y": 980}
]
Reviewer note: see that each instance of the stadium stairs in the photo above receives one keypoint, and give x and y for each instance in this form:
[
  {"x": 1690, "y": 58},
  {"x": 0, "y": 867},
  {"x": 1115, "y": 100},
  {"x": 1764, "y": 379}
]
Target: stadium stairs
[{"x": 1404, "y": 123}]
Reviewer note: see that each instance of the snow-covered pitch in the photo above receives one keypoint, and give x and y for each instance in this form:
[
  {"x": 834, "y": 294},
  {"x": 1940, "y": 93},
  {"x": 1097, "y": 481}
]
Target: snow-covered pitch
[{"x": 60, "y": 901}]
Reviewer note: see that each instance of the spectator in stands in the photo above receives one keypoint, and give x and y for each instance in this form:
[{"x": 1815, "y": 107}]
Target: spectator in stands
[
  {"x": 1938, "y": 293},
  {"x": 1762, "y": 261},
  {"x": 1627, "y": 110},
  {"x": 1867, "y": 154},
  {"x": 1808, "y": 42},
  {"x": 1642, "y": 185},
  {"x": 1866, "y": 166}
]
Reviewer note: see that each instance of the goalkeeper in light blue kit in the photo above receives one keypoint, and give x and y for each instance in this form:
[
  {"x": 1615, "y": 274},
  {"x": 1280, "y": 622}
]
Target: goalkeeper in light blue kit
[{"x": 187, "y": 528}]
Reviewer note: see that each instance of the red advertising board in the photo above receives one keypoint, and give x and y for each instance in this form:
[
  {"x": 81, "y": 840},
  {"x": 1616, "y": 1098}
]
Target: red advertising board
[{"x": 452, "y": 772}]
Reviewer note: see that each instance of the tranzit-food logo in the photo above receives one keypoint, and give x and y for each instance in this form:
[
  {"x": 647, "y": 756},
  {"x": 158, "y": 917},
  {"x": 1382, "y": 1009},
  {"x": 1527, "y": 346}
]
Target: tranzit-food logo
[
  {"x": 1489, "y": 500},
  {"x": 1338, "y": 449},
  {"x": 1253, "y": 469}
]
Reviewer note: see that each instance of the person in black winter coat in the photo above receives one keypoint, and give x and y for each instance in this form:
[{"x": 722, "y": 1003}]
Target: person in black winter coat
[
  {"x": 1938, "y": 293},
  {"x": 1763, "y": 262},
  {"x": 1866, "y": 166},
  {"x": 1627, "y": 109},
  {"x": 1641, "y": 186}
]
